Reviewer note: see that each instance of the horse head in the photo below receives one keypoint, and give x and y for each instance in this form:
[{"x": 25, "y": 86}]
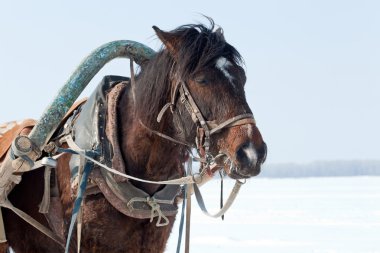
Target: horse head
[{"x": 207, "y": 99}]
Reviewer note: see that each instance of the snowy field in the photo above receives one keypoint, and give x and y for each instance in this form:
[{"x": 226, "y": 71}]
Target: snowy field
[{"x": 316, "y": 215}]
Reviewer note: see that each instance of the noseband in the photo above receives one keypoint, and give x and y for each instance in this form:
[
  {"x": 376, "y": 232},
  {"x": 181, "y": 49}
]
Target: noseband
[{"x": 204, "y": 128}]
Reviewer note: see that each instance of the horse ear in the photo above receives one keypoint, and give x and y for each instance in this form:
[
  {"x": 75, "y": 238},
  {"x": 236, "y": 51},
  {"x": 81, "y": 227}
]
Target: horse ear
[{"x": 170, "y": 41}]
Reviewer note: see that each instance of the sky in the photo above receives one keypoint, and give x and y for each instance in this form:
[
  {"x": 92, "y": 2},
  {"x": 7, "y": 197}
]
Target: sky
[{"x": 313, "y": 67}]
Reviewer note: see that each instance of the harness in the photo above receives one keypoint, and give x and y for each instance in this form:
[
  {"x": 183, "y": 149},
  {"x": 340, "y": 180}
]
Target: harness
[
  {"x": 85, "y": 131},
  {"x": 94, "y": 153},
  {"x": 89, "y": 129},
  {"x": 124, "y": 196}
]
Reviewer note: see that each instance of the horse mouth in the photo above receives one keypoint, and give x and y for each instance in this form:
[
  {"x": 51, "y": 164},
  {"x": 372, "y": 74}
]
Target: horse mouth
[
  {"x": 238, "y": 176},
  {"x": 234, "y": 171},
  {"x": 237, "y": 173}
]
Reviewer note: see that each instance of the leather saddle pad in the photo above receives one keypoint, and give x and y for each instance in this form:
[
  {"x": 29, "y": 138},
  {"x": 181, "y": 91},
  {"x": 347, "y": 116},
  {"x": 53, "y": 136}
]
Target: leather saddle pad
[{"x": 10, "y": 130}]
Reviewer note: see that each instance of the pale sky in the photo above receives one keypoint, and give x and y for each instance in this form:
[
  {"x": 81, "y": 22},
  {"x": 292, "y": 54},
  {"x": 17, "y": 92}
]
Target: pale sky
[{"x": 313, "y": 67}]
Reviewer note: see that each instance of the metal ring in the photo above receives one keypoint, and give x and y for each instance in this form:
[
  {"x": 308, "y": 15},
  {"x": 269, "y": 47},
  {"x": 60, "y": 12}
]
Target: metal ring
[
  {"x": 22, "y": 145},
  {"x": 198, "y": 176}
]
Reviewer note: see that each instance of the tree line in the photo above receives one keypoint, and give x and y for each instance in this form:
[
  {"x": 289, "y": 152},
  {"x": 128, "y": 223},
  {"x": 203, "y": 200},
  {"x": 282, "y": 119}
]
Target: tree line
[{"x": 322, "y": 169}]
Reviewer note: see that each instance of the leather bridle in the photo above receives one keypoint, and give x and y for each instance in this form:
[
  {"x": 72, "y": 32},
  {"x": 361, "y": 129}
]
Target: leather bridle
[{"x": 204, "y": 128}]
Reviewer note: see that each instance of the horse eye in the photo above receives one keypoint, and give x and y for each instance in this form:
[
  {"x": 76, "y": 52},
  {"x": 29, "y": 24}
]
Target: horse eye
[{"x": 201, "y": 81}]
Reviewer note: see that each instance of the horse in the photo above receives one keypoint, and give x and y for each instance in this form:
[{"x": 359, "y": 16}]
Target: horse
[{"x": 190, "y": 95}]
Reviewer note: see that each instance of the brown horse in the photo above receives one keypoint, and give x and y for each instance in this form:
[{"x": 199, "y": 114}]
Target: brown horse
[{"x": 195, "y": 84}]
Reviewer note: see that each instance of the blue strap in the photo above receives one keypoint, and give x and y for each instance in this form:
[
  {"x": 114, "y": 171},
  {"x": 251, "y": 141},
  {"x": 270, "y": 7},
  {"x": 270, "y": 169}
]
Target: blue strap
[
  {"x": 180, "y": 230},
  {"x": 25, "y": 157},
  {"x": 81, "y": 189},
  {"x": 68, "y": 150}
]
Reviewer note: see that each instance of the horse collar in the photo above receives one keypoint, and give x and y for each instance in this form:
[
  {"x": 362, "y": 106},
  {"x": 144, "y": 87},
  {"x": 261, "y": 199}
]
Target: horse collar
[{"x": 119, "y": 192}]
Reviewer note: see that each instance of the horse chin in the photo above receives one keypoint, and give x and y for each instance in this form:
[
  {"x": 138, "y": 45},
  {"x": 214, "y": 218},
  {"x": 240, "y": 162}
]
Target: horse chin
[{"x": 238, "y": 174}]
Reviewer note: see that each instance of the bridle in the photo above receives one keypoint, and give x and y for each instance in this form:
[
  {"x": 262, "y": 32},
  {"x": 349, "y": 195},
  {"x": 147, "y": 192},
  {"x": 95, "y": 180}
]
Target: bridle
[{"x": 205, "y": 129}]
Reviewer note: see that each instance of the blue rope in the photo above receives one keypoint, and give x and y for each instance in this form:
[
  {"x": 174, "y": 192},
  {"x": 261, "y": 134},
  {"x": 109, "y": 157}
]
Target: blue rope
[
  {"x": 180, "y": 230},
  {"x": 81, "y": 189}
]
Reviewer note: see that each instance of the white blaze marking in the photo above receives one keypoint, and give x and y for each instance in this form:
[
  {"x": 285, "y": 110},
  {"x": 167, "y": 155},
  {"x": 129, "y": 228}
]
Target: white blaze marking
[
  {"x": 250, "y": 152},
  {"x": 249, "y": 129},
  {"x": 222, "y": 64}
]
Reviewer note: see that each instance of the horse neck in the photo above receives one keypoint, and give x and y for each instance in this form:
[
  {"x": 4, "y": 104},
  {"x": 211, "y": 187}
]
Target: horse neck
[{"x": 145, "y": 154}]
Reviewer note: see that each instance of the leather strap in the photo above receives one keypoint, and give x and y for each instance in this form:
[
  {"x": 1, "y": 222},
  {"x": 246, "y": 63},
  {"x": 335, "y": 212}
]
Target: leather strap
[
  {"x": 3, "y": 237},
  {"x": 227, "y": 205},
  {"x": 34, "y": 223},
  {"x": 188, "y": 209},
  {"x": 45, "y": 202},
  {"x": 165, "y": 136},
  {"x": 242, "y": 119}
]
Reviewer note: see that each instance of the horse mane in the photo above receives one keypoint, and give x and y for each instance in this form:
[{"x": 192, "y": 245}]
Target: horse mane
[{"x": 199, "y": 48}]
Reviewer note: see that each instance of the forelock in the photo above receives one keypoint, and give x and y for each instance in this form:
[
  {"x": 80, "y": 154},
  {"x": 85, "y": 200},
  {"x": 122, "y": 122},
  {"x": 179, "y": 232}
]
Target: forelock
[{"x": 201, "y": 47}]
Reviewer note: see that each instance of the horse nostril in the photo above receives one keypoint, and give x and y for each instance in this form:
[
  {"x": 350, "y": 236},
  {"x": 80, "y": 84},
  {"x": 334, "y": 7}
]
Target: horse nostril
[
  {"x": 246, "y": 155},
  {"x": 262, "y": 153}
]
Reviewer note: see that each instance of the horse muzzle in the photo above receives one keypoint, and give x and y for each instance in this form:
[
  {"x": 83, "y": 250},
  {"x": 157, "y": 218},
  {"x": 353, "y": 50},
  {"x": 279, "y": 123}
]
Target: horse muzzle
[{"x": 247, "y": 161}]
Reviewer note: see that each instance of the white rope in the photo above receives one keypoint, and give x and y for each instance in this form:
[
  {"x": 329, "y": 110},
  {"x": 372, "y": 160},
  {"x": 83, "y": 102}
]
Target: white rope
[
  {"x": 156, "y": 210},
  {"x": 179, "y": 181}
]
